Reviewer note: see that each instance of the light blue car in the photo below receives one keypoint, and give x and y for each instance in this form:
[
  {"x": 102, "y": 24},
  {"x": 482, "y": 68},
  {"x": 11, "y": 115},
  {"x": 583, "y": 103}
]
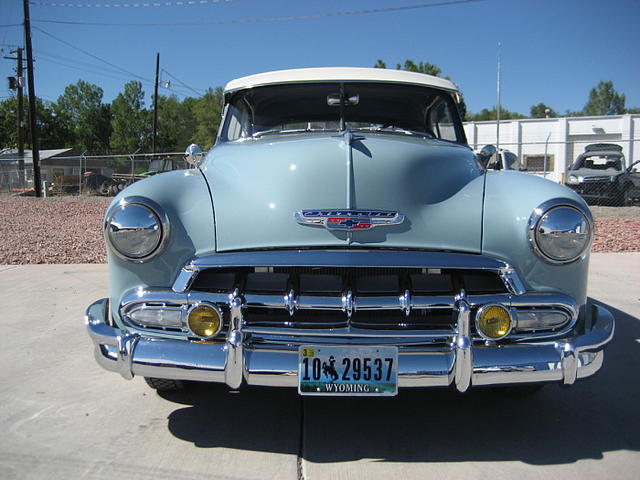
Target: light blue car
[{"x": 342, "y": 239}]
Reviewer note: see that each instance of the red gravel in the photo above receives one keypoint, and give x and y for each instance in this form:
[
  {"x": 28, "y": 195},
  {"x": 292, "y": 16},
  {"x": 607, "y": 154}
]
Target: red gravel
[
  {"x": 69, "y": 230},
  {"x": 617, "y": 235},
  {"x": 52, "y": 230}
]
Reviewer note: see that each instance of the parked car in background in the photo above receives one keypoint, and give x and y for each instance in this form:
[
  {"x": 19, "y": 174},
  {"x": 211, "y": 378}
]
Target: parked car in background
[
  {"x": 341, "y": 238},
  {"x": 599, "y": 176},
  {"x": 504, "y": 160}
]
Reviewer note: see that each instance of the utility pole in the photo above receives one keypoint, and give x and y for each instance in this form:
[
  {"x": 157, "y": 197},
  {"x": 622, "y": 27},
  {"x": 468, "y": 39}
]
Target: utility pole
[
  {"x": 155, "y": 105},
  {"x": 18, "y": 85},
  {"x": 35, "y": 153},
  {"x": 19, "y": 113}
]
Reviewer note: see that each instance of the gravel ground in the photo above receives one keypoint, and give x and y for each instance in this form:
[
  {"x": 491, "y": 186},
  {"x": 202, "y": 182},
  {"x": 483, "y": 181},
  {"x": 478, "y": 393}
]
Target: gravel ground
[
  {"x": 52, "y": 230},
  {"x": 69, "y": 230}
]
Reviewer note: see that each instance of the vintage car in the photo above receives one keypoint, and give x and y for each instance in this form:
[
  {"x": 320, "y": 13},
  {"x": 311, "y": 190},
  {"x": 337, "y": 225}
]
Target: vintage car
[
  {"x": 341, "y": 238},
  {"x": 599, "y": 175}
]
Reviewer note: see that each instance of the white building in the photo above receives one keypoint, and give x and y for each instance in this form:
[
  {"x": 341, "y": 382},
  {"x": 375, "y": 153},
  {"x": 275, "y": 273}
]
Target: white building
[{"x": 563, "y": 139}]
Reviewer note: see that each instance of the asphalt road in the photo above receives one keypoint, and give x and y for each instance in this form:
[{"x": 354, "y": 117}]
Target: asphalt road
[{"x": 63, "y": 417}]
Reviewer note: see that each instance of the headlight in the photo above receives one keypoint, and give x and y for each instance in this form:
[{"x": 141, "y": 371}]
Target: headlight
[
  {"x": 493, "y": 322},
  {"x": 572, "y": 180},
  {"x": 560, "y": 233},
  {"x": 136, "y": 228},
  {"x": 205, "y": 320}
]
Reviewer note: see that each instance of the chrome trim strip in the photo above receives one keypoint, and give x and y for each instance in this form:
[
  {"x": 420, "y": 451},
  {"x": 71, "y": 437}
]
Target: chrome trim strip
[
  {"x": 512, "y": 281},
  {"x": 126, "y": 347},
  {"x": 463, "y": 367},
  {"x": 184, "y": 279},
  {"x": 350, "y": 332},
  {"x": 349, "y": 258},
  {"x": 234, "y": 368}
]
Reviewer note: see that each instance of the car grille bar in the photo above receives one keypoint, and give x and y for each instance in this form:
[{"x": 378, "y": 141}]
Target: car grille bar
[{"x": 291, "y": 303}]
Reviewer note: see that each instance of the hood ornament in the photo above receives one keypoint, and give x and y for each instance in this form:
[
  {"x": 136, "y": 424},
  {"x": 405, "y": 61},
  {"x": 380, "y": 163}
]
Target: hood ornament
[{"x": 348, "y": 219}]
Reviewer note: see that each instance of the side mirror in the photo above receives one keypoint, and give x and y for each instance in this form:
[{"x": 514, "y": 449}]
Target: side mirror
[
  {"x": 485, "y": 154},
  {"x": 193, "y": 155}
]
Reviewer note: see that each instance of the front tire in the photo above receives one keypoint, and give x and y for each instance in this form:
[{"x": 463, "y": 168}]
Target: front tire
[
  {"x": 164, "y": 385},
  {"x": 627, "y": 198}
]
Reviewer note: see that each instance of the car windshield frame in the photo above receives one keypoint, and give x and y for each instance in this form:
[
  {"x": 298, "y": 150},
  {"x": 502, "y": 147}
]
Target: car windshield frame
[{"x": 302, "y": 108}]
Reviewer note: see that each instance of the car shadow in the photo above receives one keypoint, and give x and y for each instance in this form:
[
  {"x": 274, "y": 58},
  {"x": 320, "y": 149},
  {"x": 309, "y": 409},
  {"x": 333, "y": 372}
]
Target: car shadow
[{"x": 554, "y": 426}]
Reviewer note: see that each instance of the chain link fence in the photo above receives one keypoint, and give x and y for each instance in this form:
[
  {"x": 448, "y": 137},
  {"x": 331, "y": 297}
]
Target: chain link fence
[
  {"x": 86, "y": 174},
  {"x": 602, "y": 173}
]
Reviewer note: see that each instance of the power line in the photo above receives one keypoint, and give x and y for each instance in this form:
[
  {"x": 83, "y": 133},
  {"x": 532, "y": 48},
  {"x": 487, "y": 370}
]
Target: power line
[
  {"x": 113, "y": 66},
  {"x": 268, "y": 19},
  {"x": 94, "y": 67},
  {"x": 182, "y": 3},
  {"x": 102, "y": 73},
  {"x": 92, "y": 55},
  {"x": 197, "y": 92}
]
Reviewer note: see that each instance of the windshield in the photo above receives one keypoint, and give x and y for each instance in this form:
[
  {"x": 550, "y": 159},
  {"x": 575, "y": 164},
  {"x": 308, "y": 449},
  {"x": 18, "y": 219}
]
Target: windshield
[
  {"x": 319, "y": 107},
  {"x": 600, "y": 162}
]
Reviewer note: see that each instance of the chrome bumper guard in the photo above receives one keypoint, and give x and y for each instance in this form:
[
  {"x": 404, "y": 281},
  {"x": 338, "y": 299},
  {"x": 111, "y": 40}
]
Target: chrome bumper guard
[{"x": 461, "y": 363}]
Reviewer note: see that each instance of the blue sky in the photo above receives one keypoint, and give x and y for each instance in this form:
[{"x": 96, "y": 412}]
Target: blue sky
[{"x": 553, "y": 51}]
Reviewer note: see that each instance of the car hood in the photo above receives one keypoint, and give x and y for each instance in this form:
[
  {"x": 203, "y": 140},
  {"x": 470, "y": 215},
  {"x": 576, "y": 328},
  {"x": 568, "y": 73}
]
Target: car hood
[{"x": 257, "y": 186}]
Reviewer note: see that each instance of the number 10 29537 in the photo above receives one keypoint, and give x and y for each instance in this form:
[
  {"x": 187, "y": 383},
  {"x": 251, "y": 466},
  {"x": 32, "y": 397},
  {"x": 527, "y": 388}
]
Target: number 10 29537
[{"x": 365, "y": 371}]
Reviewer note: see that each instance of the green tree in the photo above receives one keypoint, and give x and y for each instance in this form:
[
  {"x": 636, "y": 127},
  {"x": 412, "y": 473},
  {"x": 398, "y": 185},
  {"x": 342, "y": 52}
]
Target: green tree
[
  {"x": 423, "y": 67},
  {"x": 380, "y": 64},
  {"x": 604, "y": 100},
  {"x": 542, "y": 110},
  {"x": 207, "y": 110},
  {"x": 486, "y": 115},
  {"x": 8, "y": 135},
  {"x": 130, "y": 129},
  {"x": 81, "y": 106},
  {"x": 52, "y": 130},
  {"x": 176, "y": 123}
]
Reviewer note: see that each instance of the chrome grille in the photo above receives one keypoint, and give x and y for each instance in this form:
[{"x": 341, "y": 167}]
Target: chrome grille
[{"x": 341, "y": 297}]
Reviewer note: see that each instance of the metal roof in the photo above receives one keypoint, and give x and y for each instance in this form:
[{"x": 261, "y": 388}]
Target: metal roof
[
  {"x": 340, "y": 74},
  {"x": 11, "y": 154}
]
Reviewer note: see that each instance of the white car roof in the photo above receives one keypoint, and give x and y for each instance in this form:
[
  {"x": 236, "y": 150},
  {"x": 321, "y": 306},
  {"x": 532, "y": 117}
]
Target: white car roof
[{"x": 339, "y": 74}]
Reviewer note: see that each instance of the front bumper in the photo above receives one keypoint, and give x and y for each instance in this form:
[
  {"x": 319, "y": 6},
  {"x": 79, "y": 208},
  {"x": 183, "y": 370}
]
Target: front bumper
[
  {"x": 597, "y": 191},
  {"x": 461, "y": 363}
]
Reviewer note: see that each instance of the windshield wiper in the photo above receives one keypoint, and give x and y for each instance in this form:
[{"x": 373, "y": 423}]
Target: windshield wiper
[
  {"x": 278, "y": 130},
  {"x": 394, "y": 129}
]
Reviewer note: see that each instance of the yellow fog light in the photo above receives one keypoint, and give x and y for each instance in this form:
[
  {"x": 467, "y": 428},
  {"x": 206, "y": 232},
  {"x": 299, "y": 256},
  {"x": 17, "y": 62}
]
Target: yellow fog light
[
  {"x": 493, "y": 322},
  {"x": 205, "y": 320}
]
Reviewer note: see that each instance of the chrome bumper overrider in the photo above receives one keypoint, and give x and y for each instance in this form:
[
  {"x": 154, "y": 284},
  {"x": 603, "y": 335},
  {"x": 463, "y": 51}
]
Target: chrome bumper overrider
[{"x": 461, "y": 362}]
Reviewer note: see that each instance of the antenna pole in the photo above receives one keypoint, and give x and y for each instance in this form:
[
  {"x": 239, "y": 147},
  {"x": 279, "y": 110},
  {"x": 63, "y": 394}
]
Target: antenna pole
[
  {"x": 498, "y": 104},
  {"x": 155, "y": 105}
]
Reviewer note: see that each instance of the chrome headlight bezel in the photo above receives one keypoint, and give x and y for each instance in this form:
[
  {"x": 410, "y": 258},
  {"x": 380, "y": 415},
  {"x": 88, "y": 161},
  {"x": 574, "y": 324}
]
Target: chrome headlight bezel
[
  {"x": 158, "y": 213},
  {"x": 541, "y": 212}
]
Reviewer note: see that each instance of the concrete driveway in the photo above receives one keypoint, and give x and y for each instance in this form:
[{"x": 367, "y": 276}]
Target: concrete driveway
[{"x": 63, "y": 417}]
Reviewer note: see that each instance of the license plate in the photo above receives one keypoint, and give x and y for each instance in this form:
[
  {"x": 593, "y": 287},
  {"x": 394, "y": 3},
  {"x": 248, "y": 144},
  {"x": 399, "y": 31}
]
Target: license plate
[{"x": 364, "y": 371}]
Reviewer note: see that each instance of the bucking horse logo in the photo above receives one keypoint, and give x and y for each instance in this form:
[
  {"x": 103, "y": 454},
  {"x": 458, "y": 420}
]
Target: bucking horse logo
[{"x": 329, "y": 370}]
